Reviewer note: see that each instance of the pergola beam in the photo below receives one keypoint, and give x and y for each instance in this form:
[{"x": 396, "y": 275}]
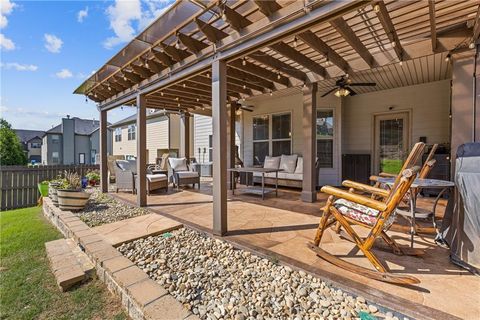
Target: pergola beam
[
  {"x": 235, "y": 19},
  {"x": 246, "y": 84},
  {"x": 476, "y": 26},
  {"x": 248, "y": 77},
  {"x": 183, "y": 97},
  {"x": 213, "y": 34},
  {"x": 347, "y": 33},
  {"x": 132, "y": 76},
  {"x": 433, "y": 24},
  {"x": 321, "y": 47},
  {"x": 292, "y": 54},
  {"x": 267, "y": 7},
  {"x": 260, "y": 72},
  {"x": 141, "y": 71},
  {"x": 163, "y": 58},
  {"x": 155, "y": 66},
  {"x": 389, "y": 28},
  {"x": 191, "y": 43},
  {"x": 279, "y": 65},
  {"x": 176, "y": 54},
  {"x": 173, "y": 104}
]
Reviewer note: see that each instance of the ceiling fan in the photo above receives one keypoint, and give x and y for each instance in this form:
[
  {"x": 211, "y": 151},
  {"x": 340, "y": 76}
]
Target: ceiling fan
[
  {"x": 244, "y": 107},
  {"x": 343, "y": 87}
]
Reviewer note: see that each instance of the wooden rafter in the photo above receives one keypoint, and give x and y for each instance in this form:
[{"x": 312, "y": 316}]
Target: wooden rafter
[
  {"x": 433, "y": 24},
  {"x": 260, "y": 72},
  {"x": 180, "y": 101},
  {"x": 155, "y": 66},
  {"x": 476, "y": 26},
  {"x": 279, "y": 65},
  {"x": 248, "y": 77},
  {"x": 246, "y": 84},
  {"x": 320, "y": 46},
  {"x": 124, "y": 82},
  {"x": 163, "y": 58},
  {"x": 132, "y": 76},
  {"x": 116, "y": 86},
  {"x": 389, "y": 28},
  {"x": 292, "y": 54},
  {"x": 347, "y": 33},
  {"x": 235, "y": 19},
  {"x": 141, "y": 71},
  {"x": 208, "y": 83},
  {"x": 183, "y": 97},
  {"x": 267, "y": 7},
  {"x": 159, "y": 104},
  {"x": 213, "y": 34},
  {"x": 191, "y": 94},
  {"x": 191, "y": 43},
  {"x": 176, "y": 54}
]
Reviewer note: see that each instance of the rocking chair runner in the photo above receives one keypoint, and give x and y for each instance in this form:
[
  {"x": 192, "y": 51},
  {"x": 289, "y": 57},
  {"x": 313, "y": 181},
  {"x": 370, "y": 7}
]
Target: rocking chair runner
[{"x": 349, "y": 208}]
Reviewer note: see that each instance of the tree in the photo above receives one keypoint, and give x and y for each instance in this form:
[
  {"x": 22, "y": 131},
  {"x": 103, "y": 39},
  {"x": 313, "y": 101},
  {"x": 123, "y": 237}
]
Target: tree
[{"x": 11, "y": 150}]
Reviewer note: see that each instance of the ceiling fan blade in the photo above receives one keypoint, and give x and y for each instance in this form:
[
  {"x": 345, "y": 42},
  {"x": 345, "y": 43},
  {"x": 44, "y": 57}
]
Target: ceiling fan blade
[
  {"x": 352, "y": 92},
  {"x": 363, "y": 84},
  {"x": 246, "y": 108},
  {"x": 328, "y": 92}
]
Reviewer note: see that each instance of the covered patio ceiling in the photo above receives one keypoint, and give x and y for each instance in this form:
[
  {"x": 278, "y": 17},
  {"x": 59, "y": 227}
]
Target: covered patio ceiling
[{"x": 366, "y": 40}]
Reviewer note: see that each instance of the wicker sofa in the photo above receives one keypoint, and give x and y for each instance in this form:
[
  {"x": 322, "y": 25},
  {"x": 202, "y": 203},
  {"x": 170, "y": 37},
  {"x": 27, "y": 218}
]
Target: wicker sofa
[
  {"x": 182, "y": 173},
  {"x": 126, "y": 177},
  {"x": 291, "y": 174}
]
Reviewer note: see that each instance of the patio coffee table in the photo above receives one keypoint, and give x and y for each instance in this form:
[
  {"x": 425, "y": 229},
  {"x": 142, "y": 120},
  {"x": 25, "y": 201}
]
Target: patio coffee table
[
  {"x": 253, "y": 189},
  {"x": 413, "y": 212}
]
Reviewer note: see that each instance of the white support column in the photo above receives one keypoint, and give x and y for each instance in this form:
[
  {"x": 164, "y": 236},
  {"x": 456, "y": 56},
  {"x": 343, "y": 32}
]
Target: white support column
[
  {"x": 219, "y": 122},
  {"x": 103, "y": 151},
  {"x": 309, "y": 122},
  {"x": 141, "y": 151}
]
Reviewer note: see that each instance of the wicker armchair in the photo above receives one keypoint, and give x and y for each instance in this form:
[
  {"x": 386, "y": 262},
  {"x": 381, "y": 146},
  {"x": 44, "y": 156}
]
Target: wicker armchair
[
  {"x": 182, "y": 173},
  {"x": 125, "y": 171}
]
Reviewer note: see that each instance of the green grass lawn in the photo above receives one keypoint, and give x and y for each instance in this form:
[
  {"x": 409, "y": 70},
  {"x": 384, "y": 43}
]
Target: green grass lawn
[
  {"x": 27, "y": 286},
  {"x": 391, "y": 166}
]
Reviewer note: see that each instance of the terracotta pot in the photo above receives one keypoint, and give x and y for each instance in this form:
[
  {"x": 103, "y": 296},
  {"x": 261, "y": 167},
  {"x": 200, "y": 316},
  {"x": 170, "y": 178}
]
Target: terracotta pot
[{"x": 72, "y": 200}]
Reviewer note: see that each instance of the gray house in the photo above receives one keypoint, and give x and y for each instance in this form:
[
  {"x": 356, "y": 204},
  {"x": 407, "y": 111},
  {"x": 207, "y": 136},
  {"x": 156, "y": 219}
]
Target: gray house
[
  {"x": 32, "y": 144},
  {"x": 74, "y": 141}
]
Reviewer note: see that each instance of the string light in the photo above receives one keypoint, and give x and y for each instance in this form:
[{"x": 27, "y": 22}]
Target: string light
[
  {"x": 376, "y": 8},
  {"x": 224, "y": 16},
  {"x": 393, "y": 43},
  {"x": 146, "y": 63},
  {"x": 472, "y": 45},
  {"x": 271, "y": 93},
  {"x": 244, "y": 86},
  {"x": 448, "y": 57},
  {"x": 184, "y": 85},
  {"x": 295, "y": 42},
  {"x": 161, "y": 93},
  {"x": 278, "y": 76},
  {"x": 109, "y": 89},
  {"x": 244, "y": 62},
  {"x": 124, "y": 78},
  {"x": 327, "y": 62},
  {"x": 177, "y": 44},
  {"x": 198, "y": 100},
  {"x": 401, "y": 63}
]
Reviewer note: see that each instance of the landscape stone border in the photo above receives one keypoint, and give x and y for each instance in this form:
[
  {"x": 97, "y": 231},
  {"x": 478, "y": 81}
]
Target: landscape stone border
[{"x": 141, "y": 296}]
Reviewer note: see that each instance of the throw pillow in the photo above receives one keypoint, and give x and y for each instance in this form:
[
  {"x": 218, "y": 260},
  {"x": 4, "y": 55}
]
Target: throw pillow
[
  {"x": 299, "y": 168},
  {"x": 271, "y": 162},
  {"x": 288, "y": 163},
  {"x": 178, "y": 164}
]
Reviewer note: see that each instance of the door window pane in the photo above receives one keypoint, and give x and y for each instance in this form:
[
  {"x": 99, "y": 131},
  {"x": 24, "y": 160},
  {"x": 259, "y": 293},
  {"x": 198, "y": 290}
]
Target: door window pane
[
  {"x": 260, "y": 128},
  {"x": 281, "y": 147},
  {"x": 391, "y": 145},
  {"x": 81, "y": 158},
  {"x": 325, "y": 153},
  {"x": 281, "y": 126},
  {"x": 260, "y": 151}
]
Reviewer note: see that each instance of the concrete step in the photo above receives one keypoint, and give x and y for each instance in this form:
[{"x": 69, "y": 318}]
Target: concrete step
[{"x": 69, "y": 264}]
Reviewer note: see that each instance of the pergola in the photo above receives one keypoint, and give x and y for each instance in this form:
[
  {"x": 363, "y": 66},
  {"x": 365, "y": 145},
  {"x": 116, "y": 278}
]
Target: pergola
[{"x": 207, "y": 57}]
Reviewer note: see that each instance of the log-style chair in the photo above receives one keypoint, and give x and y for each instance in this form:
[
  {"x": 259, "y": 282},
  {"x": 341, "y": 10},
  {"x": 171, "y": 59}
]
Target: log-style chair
[{"x": 349, "y": 208}]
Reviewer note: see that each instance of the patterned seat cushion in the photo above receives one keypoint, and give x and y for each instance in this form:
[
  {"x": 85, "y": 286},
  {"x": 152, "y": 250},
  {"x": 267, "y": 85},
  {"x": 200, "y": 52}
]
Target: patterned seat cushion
[{"x": 356, "y": 211}]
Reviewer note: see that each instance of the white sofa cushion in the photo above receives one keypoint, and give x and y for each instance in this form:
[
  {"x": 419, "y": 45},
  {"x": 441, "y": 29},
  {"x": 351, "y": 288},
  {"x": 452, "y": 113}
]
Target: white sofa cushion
[
  {"x": 271, "y": 162},
  {"x": 187, "y": 174},
  {"x": 156, "y": 177},
  {"x": 299, "y": 167},
  {"x": 294, "y": 176},
  {"x": 288, "y": 163},
  {"x": 178, "y": 164}
]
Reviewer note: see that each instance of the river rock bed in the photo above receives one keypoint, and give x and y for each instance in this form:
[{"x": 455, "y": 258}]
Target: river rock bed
[
  {"x": 216, "y": 281},
  {"x": 102, "y": 209}
]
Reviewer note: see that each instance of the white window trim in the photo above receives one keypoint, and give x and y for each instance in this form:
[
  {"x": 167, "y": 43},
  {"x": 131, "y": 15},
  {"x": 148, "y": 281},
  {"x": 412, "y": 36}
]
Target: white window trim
[
  {"x": 270, "y": 139},
  {"x": 133, "y": 133},
  {"x": 332, "y": 138},
  {"x": 118, "y": 134}
]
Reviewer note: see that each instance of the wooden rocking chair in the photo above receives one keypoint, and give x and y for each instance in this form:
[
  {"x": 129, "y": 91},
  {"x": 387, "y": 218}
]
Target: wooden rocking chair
[{"x": 349, "y": 208}]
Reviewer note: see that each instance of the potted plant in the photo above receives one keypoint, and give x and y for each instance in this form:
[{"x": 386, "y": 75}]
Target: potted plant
[
  {"x": 71, "y": 195},
  {"x": 93, "y": 177}
]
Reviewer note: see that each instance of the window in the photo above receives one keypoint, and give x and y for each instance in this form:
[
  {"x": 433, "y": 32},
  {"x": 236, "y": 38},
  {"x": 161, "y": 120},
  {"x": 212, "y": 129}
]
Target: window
[
  {"x": 132, "y": 131},
  {"x": 36, "y": 145},
  {"x": 271, "y": 135},
  {"x": 55, "y": 159},
  {"x": 81, "y": 158},
  {"x": 118, "y": 134},
  {"x": 325, "y": 127},
  {"x": 55, "y": 138}
]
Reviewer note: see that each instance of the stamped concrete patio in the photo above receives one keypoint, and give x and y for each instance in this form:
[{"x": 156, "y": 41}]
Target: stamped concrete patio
[{"x": 281, "y": 227}]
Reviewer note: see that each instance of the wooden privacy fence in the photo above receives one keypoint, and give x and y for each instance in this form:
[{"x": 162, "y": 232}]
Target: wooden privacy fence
[{"x": 19, "y": 183}]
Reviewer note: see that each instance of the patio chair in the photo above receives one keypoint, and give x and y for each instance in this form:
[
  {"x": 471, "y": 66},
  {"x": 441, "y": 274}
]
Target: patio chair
[
  {"x": 349, "y": 209},
  {"x": 125, "y": 171},
  {"x": 182, "y": 173}
]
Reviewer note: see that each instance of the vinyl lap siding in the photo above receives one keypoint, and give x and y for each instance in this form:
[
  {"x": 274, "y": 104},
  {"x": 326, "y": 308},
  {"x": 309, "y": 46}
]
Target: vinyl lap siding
[{"x": 202, "y": 130}]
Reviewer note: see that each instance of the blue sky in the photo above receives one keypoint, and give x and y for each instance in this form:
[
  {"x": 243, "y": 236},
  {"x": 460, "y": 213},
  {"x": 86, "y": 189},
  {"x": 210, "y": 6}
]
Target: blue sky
[{"x": 48, "y": 48}]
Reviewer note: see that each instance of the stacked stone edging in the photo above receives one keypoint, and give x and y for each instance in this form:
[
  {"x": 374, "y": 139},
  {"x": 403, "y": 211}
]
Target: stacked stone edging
[{"x": 142, "y": 297}]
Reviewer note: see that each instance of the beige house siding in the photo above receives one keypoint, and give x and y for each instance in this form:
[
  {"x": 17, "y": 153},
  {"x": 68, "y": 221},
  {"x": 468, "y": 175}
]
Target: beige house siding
[
  {"x": 428, "y": 104},
  {"x": 159, "y": 134}
]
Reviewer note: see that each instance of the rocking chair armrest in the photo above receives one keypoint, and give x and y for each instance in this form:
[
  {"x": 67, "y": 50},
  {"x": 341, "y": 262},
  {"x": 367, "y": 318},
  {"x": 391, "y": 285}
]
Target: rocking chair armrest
[
  {"x": 387, "y": 175},
  {"x": 365, "y": 188},
  {"x": 366, "y": 201}
]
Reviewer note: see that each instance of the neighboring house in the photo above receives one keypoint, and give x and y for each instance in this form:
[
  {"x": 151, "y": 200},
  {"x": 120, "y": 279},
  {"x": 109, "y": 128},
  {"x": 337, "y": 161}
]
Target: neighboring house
[
  {"x": 74, "y": 141},
  {"x": 32, "y": 144},
  {"x": 163, "y": 135}
]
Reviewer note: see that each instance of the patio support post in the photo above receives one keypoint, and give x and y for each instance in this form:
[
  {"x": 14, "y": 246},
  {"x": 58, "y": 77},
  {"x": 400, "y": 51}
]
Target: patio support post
[
  {"x": 103, "y": 151},
  {"x": 219, "y": 122},
  {"x": 309, "y": 122},
  {"x": 231, "y": 140},
  {"x": 141, "y": 151},
  {"x": 185, "y": 136}
]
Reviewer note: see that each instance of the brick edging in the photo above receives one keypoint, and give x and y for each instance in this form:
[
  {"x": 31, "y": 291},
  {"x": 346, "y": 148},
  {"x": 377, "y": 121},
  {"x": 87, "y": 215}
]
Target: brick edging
[{"x": 141, "y": 297}]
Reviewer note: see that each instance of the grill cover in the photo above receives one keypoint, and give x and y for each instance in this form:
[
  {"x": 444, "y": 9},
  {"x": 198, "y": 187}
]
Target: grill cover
[{"x": 461, "y": 225}]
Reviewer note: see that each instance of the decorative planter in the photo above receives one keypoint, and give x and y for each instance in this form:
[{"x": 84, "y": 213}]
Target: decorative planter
[
  {"x": 43, "y": 189},
  {"x": 72, "y": 199},
  {"x": 52, "y": 192}
]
